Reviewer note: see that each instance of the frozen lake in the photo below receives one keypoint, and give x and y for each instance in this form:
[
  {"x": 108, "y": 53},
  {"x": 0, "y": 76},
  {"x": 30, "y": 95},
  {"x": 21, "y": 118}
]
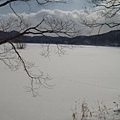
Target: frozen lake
[{"x": 84, "y": 73}]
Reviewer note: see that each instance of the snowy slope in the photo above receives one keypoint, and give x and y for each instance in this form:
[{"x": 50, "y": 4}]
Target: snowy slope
[{"x": 84, "y": 73}]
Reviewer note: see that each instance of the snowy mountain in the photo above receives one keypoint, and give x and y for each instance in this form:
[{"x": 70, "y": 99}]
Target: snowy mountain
[{"x": 111, "y": 38}]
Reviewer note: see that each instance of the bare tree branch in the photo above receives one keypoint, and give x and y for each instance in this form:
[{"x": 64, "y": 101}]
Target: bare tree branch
[
  {"x": 106, "y": 14},
  {"x": 10, "y": 55},
  {"x": 7, "y": 2}
]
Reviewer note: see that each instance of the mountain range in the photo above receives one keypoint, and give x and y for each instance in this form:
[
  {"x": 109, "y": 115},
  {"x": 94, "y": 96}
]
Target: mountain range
[{"x": 111, "y": 38}]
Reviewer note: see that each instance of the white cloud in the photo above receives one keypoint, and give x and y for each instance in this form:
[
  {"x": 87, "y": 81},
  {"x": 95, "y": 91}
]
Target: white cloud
[{"x": 75, "y": 16}]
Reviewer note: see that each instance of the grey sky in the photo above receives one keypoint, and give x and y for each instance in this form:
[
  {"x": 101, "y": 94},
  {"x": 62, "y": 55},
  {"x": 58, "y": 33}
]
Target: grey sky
[
  {"x": 23, "y": 7},
  {"x": 73, "y": 9}
]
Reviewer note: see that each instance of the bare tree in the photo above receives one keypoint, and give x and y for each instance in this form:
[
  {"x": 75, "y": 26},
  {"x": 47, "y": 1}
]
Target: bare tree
[
  {"x": 107, "y": 14},
  {"x": 20, "y": 45},
  {"x": 10, "y": 56}
]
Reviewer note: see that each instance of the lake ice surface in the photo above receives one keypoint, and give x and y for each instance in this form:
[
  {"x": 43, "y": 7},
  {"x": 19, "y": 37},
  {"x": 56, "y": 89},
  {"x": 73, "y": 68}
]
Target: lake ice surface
[{"x": 84, "y": 73}]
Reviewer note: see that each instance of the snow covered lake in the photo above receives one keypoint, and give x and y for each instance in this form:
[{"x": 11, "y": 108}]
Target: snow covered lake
[{"x": 84, "y": 73}]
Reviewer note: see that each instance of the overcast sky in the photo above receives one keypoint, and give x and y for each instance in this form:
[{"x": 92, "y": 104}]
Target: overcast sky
[
  {"x": 71, "y": 8},
  {"x": 23, "y": 7},
  {"x": 74, "y": 9}
]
